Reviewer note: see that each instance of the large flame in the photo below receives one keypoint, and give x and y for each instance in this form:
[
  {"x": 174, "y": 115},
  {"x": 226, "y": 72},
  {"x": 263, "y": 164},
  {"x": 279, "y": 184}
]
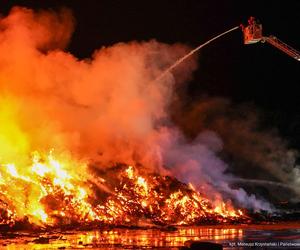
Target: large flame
[
  {"x": 44, "y": 189},
  {"x": 48, "y": 192}
]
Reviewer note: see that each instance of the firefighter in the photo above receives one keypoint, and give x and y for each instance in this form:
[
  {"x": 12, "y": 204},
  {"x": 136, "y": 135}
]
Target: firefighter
[{"x": 251, "y": 21}]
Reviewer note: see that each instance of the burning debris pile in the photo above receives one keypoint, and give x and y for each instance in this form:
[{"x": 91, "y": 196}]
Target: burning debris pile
[
  {"x": 162, "y": 200},
  {"x": 58, "y": 198}
]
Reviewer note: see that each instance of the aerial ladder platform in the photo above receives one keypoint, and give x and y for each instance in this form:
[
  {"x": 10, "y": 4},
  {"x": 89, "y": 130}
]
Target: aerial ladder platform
[{"x": 253, "y": 34}]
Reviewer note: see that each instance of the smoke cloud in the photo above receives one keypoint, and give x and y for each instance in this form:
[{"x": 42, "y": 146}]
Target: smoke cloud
[
  {"x": 108, "y": 108},
  {"x": 256, "y": 154}
]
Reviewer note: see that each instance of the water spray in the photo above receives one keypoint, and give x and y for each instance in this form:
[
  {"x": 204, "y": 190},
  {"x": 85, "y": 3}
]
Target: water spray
[
  {"x": 260, "y": 182},
  {"x": 180, "y": 60}
]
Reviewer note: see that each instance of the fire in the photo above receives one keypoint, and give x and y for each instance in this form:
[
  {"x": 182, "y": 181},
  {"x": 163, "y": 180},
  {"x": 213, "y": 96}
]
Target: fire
[
  {"x": 49, "y": 193},
  {"x": 45, "y": 189},
  {"x": 54, "y": 187},
  {"x": 139, "y": 196},
  {"x": 64, "y": 132}
]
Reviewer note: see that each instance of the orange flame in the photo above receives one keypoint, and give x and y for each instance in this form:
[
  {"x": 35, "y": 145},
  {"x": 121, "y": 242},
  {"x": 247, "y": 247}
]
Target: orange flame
[{"x": 48, "y": 193}]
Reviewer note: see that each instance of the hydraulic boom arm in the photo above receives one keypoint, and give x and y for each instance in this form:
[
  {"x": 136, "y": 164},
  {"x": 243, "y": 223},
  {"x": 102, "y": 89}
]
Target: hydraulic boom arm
[{"x": 282, "y": 46}]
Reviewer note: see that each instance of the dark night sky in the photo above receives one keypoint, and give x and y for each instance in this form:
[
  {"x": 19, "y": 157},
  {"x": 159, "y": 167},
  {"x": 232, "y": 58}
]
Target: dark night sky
[{"x": 259, "y": 74}]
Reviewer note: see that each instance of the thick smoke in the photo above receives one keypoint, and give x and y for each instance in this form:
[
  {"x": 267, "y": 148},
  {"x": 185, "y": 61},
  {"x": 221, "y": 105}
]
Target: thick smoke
[
  {"x": 106, "y": 108},
  {"x": 258, "y": 155}
]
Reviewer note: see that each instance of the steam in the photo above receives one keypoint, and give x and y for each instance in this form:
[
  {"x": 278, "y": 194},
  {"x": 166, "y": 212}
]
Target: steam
[{"x": 106, "y": 108}]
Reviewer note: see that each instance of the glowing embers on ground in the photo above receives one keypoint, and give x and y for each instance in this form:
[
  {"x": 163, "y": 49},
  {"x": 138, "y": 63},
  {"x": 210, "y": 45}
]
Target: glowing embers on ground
[{"x": 56, "y": 191}]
